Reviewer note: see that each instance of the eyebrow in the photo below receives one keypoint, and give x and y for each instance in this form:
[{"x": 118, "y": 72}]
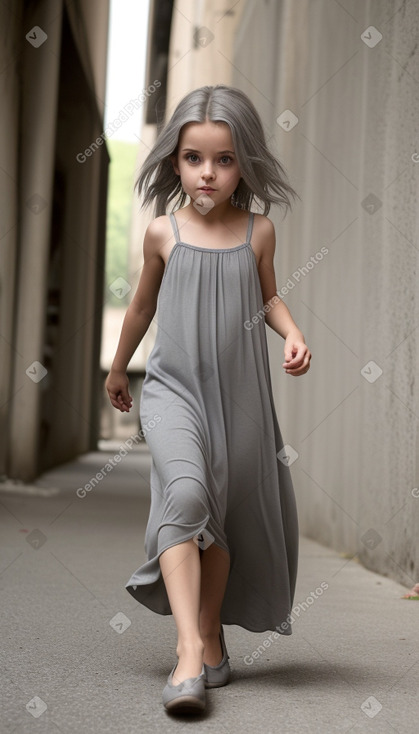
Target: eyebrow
[{"x": 193, "y": 150}]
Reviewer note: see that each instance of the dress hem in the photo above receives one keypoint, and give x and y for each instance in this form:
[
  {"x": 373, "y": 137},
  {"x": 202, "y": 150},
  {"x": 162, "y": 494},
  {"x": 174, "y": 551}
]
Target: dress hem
[{"x": 133, "y": 593}]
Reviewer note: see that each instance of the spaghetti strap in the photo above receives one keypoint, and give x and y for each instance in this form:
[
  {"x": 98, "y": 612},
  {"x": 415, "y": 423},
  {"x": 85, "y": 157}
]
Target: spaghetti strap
[
  {"x": 174, "y": 226},
  {"x": 248, "y": 235},
  {"x": 249, "y": 227}
]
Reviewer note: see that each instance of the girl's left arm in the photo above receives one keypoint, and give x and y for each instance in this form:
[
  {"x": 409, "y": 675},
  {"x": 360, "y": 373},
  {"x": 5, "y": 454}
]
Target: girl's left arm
[{"x": 277, "y": 314}]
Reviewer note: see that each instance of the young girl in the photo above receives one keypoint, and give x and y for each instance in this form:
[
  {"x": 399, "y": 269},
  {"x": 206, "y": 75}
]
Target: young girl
[{"x": 222, "y": 534}]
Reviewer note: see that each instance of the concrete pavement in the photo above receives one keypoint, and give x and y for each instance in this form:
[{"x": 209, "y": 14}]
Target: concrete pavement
[{"x": 79, "y": 654}]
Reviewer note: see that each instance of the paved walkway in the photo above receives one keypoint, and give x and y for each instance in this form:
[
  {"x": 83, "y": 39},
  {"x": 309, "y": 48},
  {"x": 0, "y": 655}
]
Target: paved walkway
[{"x": 81, "y": 655}]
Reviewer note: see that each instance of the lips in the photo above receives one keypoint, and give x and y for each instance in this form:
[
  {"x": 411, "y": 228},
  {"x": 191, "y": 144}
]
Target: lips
[{"x": 206, "y": 188}]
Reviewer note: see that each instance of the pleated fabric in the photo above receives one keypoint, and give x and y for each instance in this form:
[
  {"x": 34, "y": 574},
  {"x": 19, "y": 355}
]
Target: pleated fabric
[{"x": 215, "y": 474}]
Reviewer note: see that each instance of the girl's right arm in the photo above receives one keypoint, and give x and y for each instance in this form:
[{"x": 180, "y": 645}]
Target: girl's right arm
[{"x": 137, "y": 318}]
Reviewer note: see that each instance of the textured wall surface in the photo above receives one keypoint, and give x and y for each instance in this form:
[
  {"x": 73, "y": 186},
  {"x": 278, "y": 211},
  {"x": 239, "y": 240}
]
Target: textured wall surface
[{"x": 349, "y": 71}]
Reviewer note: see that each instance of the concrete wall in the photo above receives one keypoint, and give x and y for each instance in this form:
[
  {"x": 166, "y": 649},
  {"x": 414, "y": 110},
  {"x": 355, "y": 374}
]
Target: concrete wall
[
  {"x": 53, "y": 212},
  {"x": 9, "y": 164},
  {"x": 353, "y": 157}
]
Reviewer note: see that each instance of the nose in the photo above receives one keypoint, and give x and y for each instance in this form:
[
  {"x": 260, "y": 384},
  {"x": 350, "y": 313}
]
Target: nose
[{"x": 207, "y": 170}]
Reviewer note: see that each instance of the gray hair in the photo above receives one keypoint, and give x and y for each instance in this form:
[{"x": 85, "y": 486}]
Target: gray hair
[{"x": 263, "y": 178}]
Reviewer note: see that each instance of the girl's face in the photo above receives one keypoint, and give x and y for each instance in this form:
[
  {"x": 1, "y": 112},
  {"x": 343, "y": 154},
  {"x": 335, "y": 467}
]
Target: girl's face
[{"x": 206, "y": 161}]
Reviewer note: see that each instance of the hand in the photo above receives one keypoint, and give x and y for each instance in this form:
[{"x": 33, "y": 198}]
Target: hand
[
  {"x": 297, "y": 355},
  {"x": 116, "y": 384}
]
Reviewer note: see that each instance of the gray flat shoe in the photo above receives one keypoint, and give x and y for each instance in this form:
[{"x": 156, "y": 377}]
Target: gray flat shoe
[
  {"x": 187, "y": 697},
  {"x": 218, "y": 675}
]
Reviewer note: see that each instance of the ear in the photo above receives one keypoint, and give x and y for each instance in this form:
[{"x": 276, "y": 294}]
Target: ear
[{"x": 173, "y": 158}]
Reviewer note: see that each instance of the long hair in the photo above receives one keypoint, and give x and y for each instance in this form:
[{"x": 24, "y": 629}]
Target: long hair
[{"x": 263, "y": 178}]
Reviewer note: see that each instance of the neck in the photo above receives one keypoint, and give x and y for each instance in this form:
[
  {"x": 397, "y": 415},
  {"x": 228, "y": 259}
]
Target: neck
[{"x": 217, "y": 213}]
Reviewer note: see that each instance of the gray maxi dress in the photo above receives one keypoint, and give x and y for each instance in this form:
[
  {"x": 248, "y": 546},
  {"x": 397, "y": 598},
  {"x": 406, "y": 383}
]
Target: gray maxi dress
[{"x": 209, "y": 418}]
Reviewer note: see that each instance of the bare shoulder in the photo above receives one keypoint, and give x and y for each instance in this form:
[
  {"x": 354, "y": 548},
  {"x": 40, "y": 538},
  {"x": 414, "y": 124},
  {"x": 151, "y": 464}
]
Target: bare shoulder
[
  {"x": 263, "y": 237},
  {"x": 263, "y": 226},
  {"x": 157, "y": 237},
  {"x": 158, "y": 230}
]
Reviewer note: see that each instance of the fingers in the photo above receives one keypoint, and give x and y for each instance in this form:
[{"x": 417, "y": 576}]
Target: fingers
[
  {"x": 121, "y": 401},
  {"x": 298, "y": 358},
  {"x": 295, "y": 372},
  {"x": 125, "y": 402},
  {"x": 300, "y": 364}
]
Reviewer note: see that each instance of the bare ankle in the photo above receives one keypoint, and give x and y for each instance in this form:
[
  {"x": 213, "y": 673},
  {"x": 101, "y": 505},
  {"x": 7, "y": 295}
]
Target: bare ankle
[
  {"x": 211, "y": 632},
  {"x": 190, "y": 647}
]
